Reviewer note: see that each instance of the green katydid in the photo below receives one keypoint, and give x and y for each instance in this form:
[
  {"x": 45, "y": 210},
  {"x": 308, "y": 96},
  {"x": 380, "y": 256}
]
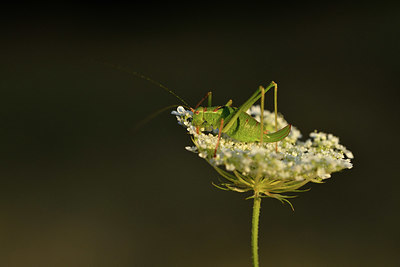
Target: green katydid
[
  {"x": 235, "y": 122},
  {"x": 232, "y": 121}
]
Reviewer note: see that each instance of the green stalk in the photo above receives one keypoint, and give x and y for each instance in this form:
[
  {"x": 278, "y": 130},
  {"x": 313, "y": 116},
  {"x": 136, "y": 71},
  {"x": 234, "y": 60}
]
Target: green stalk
[{"x": 254, "y": 229}]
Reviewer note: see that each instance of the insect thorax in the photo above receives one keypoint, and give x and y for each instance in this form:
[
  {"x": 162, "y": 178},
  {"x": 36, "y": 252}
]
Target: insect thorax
[{"x": 210, "y": 116}]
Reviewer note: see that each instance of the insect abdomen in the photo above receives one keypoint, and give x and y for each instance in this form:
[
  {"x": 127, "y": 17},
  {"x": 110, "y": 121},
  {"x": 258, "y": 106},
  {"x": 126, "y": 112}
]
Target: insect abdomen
[{"x": 245, "y": 128}]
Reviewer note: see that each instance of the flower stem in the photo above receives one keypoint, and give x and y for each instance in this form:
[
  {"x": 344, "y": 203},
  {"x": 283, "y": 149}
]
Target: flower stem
[{"x": 254, "y": 229}]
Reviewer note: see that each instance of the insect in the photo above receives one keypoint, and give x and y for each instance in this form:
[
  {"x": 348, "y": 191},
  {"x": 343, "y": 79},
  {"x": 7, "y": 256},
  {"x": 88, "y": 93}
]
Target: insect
[{"x": 233, "y": 121}]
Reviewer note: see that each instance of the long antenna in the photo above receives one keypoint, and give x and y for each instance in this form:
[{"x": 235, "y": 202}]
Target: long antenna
[
  {"x": 137, "y": 74},
  {"x": 152, "y": 116}
]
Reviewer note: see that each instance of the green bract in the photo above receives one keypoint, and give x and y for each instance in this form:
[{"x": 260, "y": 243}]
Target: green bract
[{"x": 258, "y": 167}]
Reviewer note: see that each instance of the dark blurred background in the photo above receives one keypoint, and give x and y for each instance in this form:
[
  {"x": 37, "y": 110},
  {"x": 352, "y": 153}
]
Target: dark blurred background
[{"x": 79, "y": 187}]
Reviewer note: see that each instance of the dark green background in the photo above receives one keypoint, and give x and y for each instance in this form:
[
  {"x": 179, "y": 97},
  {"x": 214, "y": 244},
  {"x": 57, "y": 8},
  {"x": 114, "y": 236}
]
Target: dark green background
[{"x": 80, "y": 188}]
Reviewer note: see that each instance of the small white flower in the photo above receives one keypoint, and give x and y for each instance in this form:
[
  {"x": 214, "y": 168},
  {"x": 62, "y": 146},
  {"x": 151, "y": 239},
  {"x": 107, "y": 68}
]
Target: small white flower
[
  {"x": 202, "y": 155},
  {"x": 191, "y": 148},
  {"x": 230, "y": 167},
  {"x": 349, "y": 154}
]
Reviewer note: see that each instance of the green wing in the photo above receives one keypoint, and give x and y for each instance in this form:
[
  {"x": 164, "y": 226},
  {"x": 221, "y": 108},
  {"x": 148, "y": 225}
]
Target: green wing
[{"x": 277, "y": 136}]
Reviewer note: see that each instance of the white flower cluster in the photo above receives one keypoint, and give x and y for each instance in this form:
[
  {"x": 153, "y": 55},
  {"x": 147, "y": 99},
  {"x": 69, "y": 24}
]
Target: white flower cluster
[{"x": 311, "y": 160}]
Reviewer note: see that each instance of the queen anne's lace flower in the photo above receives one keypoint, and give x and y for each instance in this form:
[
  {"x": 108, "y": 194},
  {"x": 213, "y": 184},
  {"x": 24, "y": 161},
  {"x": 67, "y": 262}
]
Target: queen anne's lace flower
[{"x": 255, "y": 166}]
